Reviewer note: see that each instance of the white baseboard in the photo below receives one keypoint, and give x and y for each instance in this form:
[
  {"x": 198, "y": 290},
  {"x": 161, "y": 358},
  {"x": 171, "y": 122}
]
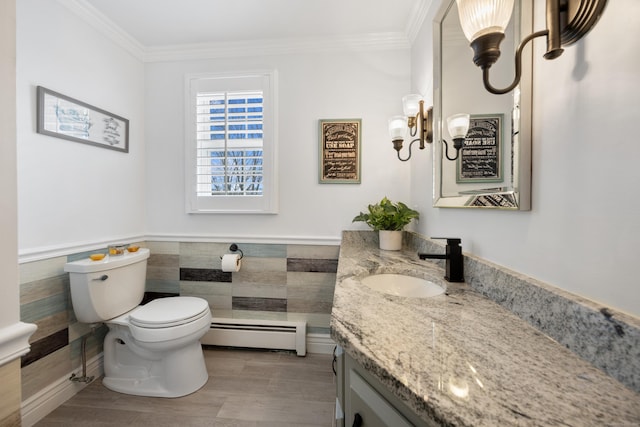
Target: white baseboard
[
  {"x": 320, "y": 343},
  {"x": 55, "y": 394}
]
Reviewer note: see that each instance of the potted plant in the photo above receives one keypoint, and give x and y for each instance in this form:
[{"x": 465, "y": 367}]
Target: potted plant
[{"x": 388, "y": 219}]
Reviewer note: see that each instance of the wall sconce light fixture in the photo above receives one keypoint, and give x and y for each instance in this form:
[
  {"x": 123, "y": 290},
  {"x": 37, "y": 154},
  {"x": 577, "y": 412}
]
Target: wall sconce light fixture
[
  {"x": 458, "y": 126},
  {"x": 419, "y": 124},
  {"x": 416, "y": 120},
  {"x": 484, "y": 22}
]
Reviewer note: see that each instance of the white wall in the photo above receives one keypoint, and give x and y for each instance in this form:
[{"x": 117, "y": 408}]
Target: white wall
[
  {"x": 581, "y": 234},
  {"x": 317, "y": 85},
  {"x": 9, "y": 303},
  {"x": 72, "y": 193}
]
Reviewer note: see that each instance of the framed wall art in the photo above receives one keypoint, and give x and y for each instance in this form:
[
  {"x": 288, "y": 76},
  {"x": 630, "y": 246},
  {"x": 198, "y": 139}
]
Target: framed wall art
[
  {"x": 67, "y": 118},
  {"x": 340, "y": 151},
  {"x": 481, "y": 154}
]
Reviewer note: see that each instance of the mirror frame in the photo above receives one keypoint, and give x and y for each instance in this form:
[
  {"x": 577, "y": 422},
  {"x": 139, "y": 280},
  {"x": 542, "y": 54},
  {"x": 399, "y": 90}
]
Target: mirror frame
[{"x": 520, "y": 187}]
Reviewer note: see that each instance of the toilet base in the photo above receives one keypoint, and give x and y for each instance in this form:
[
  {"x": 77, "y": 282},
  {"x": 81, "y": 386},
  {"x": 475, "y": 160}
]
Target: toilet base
[
  {"x": 175, "y": 373},
  {"x": 150, "y": 387}
]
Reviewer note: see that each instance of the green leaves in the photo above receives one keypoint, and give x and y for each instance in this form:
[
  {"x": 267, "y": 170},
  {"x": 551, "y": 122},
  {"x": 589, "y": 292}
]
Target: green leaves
[{"x": 387, "y": 215}]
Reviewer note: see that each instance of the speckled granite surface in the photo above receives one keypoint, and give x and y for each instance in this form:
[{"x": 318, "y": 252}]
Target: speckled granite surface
[
  {"x": 607, "y": 338},
  {"x": 462, "y": 359}
]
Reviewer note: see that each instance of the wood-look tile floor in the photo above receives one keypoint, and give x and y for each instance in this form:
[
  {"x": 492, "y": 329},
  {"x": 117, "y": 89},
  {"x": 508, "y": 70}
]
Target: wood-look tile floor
[{"x": 246, "y": 388}]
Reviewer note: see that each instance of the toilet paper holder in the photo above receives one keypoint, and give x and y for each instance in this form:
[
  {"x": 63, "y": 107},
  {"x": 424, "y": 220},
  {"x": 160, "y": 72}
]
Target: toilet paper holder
[{"x": 235, "y": 248}]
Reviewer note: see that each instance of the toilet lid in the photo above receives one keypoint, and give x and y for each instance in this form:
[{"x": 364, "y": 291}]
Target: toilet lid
[{"x": 167, "y": 312}]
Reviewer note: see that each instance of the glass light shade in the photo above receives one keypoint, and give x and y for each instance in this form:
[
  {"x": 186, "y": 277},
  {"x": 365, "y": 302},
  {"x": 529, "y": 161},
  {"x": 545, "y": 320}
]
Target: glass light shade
[
  {"x": 458, "y": 125},
  {"x": 411, "y": 104},
  {"x": 480, "y": 17},
  {"x": 398, "y": 127}
]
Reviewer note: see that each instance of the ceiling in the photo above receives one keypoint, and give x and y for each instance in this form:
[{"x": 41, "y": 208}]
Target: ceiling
[{"x": 163, "y": 23}]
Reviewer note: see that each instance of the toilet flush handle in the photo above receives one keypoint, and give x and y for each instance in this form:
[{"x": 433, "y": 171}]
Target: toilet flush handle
[{"x": 103, "y": 277}]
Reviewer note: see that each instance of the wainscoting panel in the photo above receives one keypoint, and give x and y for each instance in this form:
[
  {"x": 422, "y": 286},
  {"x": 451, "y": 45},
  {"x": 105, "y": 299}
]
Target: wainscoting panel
[
  {"x": 287, "y": 282},
  {"x": 294, "y": 281},
  {"x": 45, "y": 300}
]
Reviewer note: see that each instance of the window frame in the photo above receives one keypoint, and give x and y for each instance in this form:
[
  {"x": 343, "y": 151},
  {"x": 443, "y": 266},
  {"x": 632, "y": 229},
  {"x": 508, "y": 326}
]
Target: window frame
[{"x": 267, "y": 203}]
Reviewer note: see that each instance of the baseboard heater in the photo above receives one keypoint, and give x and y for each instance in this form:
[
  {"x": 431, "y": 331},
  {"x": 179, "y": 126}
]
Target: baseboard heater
[{"x": 257, "y": 333}]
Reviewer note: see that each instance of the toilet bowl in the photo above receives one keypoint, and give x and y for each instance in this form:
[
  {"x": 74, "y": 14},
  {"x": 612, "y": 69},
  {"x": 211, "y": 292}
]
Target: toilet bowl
[
  {"x": 150, "y": 350},
  {"x": 159, "y": 358}
]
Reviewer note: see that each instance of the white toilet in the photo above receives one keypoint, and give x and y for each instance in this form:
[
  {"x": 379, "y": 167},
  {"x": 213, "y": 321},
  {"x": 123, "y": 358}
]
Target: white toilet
[{"x": 150, "y": 350}]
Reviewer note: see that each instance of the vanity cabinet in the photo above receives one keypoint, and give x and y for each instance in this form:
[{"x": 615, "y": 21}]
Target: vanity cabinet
[{"x": 366, "y": 401}]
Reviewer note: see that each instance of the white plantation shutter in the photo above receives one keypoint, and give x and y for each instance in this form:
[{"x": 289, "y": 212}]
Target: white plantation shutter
[{"x": 231, "y": 144}]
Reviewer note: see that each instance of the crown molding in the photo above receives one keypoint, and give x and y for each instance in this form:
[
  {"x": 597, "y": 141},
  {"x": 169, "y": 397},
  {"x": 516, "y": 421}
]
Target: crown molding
[
  {"x": 418, "y": 15},
  {"x": 98, "y": 21},
  {"x": 366, "y": 42}
]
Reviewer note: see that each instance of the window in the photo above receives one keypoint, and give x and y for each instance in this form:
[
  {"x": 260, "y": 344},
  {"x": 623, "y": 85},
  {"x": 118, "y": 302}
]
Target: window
[{"x": 231, "y": 143}]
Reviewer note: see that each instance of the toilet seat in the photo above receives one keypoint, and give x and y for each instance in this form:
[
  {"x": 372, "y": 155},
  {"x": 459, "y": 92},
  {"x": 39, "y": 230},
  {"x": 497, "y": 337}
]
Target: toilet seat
[
  {"x": 169, "y": 312},
  {"x": 166, "y": 319}
]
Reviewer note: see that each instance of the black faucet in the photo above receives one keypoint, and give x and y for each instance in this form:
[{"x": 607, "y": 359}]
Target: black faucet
[{"x": 454, "y": 269}]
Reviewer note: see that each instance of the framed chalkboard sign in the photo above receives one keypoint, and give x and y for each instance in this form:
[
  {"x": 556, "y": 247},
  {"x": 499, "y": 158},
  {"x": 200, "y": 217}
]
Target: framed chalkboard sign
[
  {"x": 480, "y": 157},
  {"x": 340, "y": 151}
]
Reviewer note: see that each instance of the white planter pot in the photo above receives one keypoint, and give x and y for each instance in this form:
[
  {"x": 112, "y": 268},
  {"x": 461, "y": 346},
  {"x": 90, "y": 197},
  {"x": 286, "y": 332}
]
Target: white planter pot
[{"x": 390, "y": 240}]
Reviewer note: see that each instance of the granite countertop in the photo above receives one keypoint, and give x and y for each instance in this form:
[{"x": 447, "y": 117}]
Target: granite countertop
[{"x": 461, "y": 359}]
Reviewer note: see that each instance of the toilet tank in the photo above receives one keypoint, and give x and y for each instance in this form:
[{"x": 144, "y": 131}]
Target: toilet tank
[{"x": 102, "y": 290}]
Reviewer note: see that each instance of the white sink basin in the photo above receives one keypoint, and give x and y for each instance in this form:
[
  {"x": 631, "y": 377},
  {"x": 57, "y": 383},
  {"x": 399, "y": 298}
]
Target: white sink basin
[{"x": 401, "y": 285}]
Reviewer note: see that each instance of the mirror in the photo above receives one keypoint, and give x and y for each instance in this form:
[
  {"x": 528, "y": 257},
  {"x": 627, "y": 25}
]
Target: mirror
[{"x": 494, "y": 166}]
